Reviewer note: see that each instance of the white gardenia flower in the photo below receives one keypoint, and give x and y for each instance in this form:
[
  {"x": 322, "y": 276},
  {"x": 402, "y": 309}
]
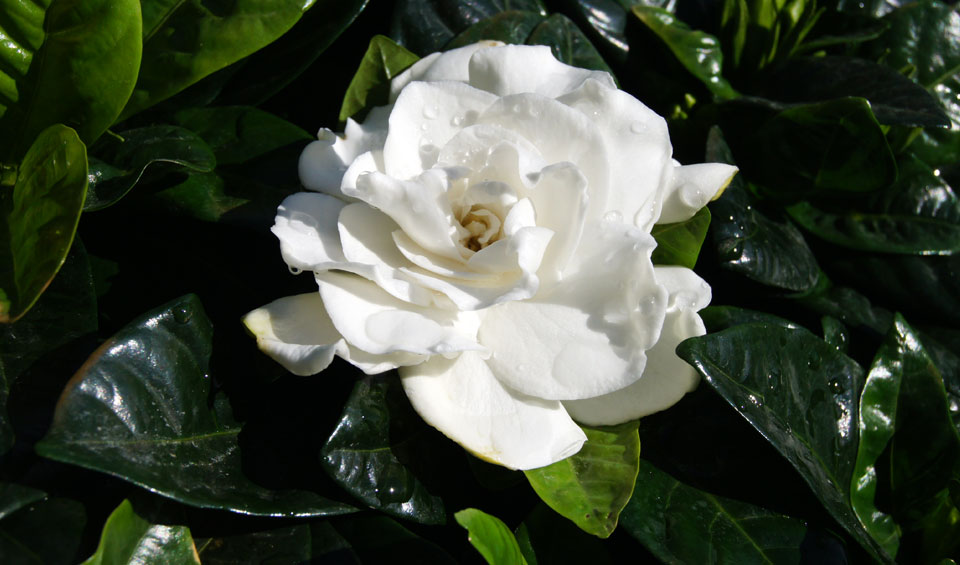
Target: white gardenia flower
[{"x": 488, "y": 233}]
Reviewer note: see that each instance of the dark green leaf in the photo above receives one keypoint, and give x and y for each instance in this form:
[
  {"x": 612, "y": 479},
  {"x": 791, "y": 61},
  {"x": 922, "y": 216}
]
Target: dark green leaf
[
  {"x": 568, "y": 43},
  {"x": 679, "y": 243},
  {"x": 240, "y": 133},
  {"x": 940, "y": 147},
  {"x": 48, "y": 531},
  {"x": 268, "y": 70},
  {"x": 836, "y": 334},
  {"x": 801, "y": 394},
  {"x": 128, "y": 538},
  {"x": 225, "y": 195},
  {"x": 292, "y": 544},
  {"x": 883, "y": 233},
  {"x": 832, "y": 146},
  {"x": 605, "y": 21},
  {"x": 592, "y": 486},
  {"x": 920, "y": 191},
  {"x": 870, "y": 8},
  {"x": 697, "y": 51},
  {"x": 682, "y": 524},
  {"x": 13, "y": 497},
  {"x": 748, "y": 242},
  {"x": 717, "y": 318},
  {"x": 546, "y": 537},
  {"x": 138, "y": 409},
  {"x": 846, "y": 305},
  {"x": 491, "y": 537},
  {"x": 508, "y": 27},
  {"x": 924, "y": 35},
  {"x": 842, "y": 29},
  {"x": 366, "y": 451},
  {"x": 370, "y": 87},
  {"x": 65, "y": 62},
  {"x": 425, "y": 26},
  {"x": 125, "y": 161},
  {"x": 41, "y": 217},
  {"x": 7, "y": 437},
  {"x": 894, "y": 98},
  {"x": 186, "y": 41},
  {"x": 377, "y": 539}
]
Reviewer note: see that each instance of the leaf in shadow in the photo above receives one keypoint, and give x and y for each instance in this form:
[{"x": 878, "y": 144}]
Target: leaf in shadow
[{"x": 128, "y": 538}]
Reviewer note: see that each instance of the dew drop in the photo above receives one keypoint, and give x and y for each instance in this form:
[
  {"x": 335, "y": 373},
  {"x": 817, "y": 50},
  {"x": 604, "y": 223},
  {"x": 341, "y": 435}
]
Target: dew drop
[
  {"x": 692, "y": 196},
  {"x": 638, "y": 127},
  {"x": 456, "y": 121},
  {"x": 294, "y": 270},
  {"x": 423, "y": 127},
  {"x": 182, "y": 314},
  {"x": 614, "y": 217},
  {"x": 430, "y": 112}
]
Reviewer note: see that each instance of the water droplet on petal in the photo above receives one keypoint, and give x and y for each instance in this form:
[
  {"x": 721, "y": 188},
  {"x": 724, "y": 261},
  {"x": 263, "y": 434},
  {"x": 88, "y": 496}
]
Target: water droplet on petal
[
  {"x": 456, "y": 121},
  {"x": 294, "y": 270},
  {"x": 430, "y": 112},
  {"x": 613, "y": 217},
  {"x": 692, "y": 196},
  {"x": 638, "y": 127}
]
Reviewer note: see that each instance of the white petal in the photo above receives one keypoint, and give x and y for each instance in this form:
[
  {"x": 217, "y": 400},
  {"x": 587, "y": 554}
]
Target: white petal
[
  {"x": 324, "y": 162},
  {"x": 425, "y": 117},
  {"x": 449, "y": 65},
  {"x": 461, "y": 398},
  {"x": 514, "y": 69},
  {"x": 692, "y": 187},
  {"x": 369, "y": 162},
  {"x": 375, "y": 322},
  {"x": 666, "y": 377},
  {"x": 588, "y": 335},
  {"x": 560, "y": 134},
  {"x": 560, "y": 200},
  {"x": 306, "y": 225},
  {"x": 638, "y": 146}
]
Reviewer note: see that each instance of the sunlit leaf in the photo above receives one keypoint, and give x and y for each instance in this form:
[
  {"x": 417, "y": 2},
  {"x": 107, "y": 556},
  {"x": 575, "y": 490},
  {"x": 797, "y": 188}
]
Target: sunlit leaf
[
  {"x": 128, "y": 538},
  {"x": 370, "y": 86},
  {"x": 679, "y": 243},
  {"x": 491, "y": 537}
]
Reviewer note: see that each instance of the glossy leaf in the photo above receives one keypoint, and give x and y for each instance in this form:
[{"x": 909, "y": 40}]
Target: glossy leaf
[
  {"x": 13, "y": 497},
  {"x": 750, "y": 243},
  {"x": 491, "y": 537},
  {"x": 820, "y": 148},
  {"x": 237, "y": 134},
  {"x": 139, "y": 154},
  {"x": 604, "y": 21},
  {"x": 758, "y": 33},
  {"x": 697, "y": 51},
  {"x": 801, "y": 394},
  {"x": 920, "y": 191},
  {"x": 717, "y": 318},
  {"x": 568, "y": 43},
  {"x": 65, "y": 62},
  {"x": 836, "y": 28},
  {"x": 940, "y": 147},
  {"x": 370, "y": 86},
  {"x": 680, "y": 243},
  {"x": 425, "y": 26},
  {"x": 269, "y": 70},
  {"x": 185, "y": 41},
  {"x": 138, "y": 409},
  {"x": 894, "y": 98},
  {"x": 835, "y": 333},
  {"x": 41, "y": 218},
  {"x": 884, "y": 233},
  {"x": 846, "y": 305},
  {"x": 128, "y": 538},
  {"x": 546, "y": 537},
  {"x": 924, "y": 35},
  {"x": 364, "y": 452},
  {"x": 509, "y": 27},
  {"x": 592, "y": 486},
  {"x": 681, "y": 524},
  {"x": 48, "y": 531}
]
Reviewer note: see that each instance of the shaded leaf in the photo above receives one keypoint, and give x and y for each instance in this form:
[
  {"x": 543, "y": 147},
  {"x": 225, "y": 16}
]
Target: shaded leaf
[
  {"x": 291, "y": 544},
  {"x": 924, "y": 35},
  {"x": 123, "y": 162},
  {"x": 750, "y": 243},
  {"x": 883, "y": 233},
  {"x": 568, "y": 43},
  {"x": 894, "y": 98},
  {"x": 836, "y": 334},
  {"x": 604, "y": 21},
  {"x": 138, "y": 409},
  {"x": 269, "y": 70},
  {"x": 186, "y": 41},
  {"x": 679, "y": 243},
  {"x": 940, "y": 147},
  {"x": 370, "y": 86},
  {"x": 697, "y": 51},
  {"x": 801, "y": 394},
  {"x": 41, "y": 217},
  {"x": 717, "y": 318},
  {"x": 509, "y": 27},
  {"x": 592, "y": 486},
  {"x": 920, "y": 191},
  {"x": 48, "y": 531},
  {"x": 377, "y": 539},
  {"x": 365, "y": 454},
  {"x": 425, "y": 26},
  {"x": 846, "y": 305},
  {"x": 13, "y": 497},
  {"x": 681, "y": 524},
  {"x": 128, "y": 538},
  {"x": 546, "y": 537},
  {"x": 491, "y": 537},
  {"x": 65, "y": 62},
  {"x": 237, "y": 134},
  {"x": 842, "y": 29}
]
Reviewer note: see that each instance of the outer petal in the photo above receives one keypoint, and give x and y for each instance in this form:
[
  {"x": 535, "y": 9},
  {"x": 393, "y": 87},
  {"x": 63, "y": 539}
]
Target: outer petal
[
  {"x": 692, "y": 187},
  {"x": 306, "y": 225},
  {"x": 426, "y": 116},
  {"x": 588, "y": 336},
  {"x": 324, "y": 162},
  {"x": 449, "y": 65},
  {"x": 666, "y": 377},
  {"x": 373, "y": 321},
  {"x": 296, "y": 332},
  {"x": 512, "y": 69},
  {"x": 638, "y": 146},
  {"x": 461, "y": 398}
]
